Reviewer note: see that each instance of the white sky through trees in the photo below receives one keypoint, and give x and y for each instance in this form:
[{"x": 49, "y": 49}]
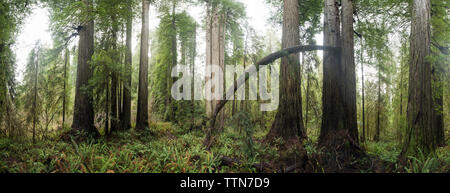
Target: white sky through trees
[{"x": 36, "y": 28}]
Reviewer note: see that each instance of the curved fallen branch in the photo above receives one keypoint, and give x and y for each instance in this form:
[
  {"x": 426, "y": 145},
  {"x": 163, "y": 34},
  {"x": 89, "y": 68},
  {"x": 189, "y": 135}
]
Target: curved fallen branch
[{"x": 237, "y": 84}]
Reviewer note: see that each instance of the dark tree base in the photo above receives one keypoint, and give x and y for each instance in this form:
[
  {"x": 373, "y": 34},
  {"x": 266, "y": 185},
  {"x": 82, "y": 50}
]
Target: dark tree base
[
  {"x": 341, "y": 154},
  {"x": 79, "y": 135}
]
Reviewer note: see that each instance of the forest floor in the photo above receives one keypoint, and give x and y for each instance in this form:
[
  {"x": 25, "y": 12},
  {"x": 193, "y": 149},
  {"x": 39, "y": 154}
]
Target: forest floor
[{"x": 169, "y": 149}]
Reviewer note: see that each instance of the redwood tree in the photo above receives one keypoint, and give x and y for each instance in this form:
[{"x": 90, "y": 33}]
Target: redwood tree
[
  {"x": 419, "y": 112},
  {"x": 333, "y": 104},
  {"x": 339, "y": 78},
  {"x": 126, "y": 107},
  {"x": 142, "y": 112},
  {"x": 288, "y": 123},
  {"x": 83, "y": 117}
]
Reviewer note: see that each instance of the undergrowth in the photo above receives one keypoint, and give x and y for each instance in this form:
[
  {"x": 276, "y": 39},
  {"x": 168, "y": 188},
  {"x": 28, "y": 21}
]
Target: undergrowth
[{"x": 166, "y": 148}]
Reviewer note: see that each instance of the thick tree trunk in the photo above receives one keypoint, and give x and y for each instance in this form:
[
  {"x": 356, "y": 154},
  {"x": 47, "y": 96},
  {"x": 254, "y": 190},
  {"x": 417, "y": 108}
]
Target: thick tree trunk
[
  {"x": 348, "y": 62},
  {"x": 419, "y": 112},
  {"x": 333, "y": 104},
  {"x": 126, "y": 107},
  {"x": 339, "y": 129},
  {"x": 142, "y": 112},
  {"x": 83, "y": 118},
  {"x": 215, "y": 55},
  {"x": 288, "y": 122}
]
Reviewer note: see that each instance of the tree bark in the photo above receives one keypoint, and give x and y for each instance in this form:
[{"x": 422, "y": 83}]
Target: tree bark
[
  {"x": 107, "y": 110},
  {"x": 378, "y": 129},
  {"x": 333, "y": 105},
  {"x": 36, "y": 68},
  {"x": 339, "y": 80},
  {"x": 194, "y": 54},
  {"x": 419, "y": 110},
  {"x": 114, "y": 80},
  {"x": 348, "y": 62},
  {"x": 83, "y": 118},
  {"x": 142, "y": 112},
  {"x": 209, "y": 27},
  {"x": 288, "y": 122},
  {"x": 215, "y": 55},
  {"x": 66, "y": 63},
  {"x": 126, "y": 107},
  {"x": 308, "y": 84}
]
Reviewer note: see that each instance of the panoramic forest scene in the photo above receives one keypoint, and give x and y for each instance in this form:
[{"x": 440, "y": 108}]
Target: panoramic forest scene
[{"x": 224, "y": 86}]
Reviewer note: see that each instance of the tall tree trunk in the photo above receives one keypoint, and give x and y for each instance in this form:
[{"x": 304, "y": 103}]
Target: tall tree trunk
[
  {"x": 308, "y": 84},
  {"x": 339, "y": 130},
  {"x": 419, "y": 111},
  {"x": 288, "y": 122},
  {"x": 36, "y": 68},
  {"x": 363, "y": 138},
  {"x": 66, "y": 63},
  {"x": 83, "y": 118},
  {"x": 400, "y": 127},
  {"x": 194, "y": 54},
  {"x": 243, "y": 102},
  {"x": 333, "y": 105},
  {"x": 348, "y": 63},
  {"x": 169, "y": 115},
  {"x": 114, "y": 80},
  {"x": 378, "y": 129},
  {"x": 215, "y": 55},
  {"x": 209, "y": 28},
  {"x": 142, "y": 112},
  {"x": 126, "y": 115},
  {"x": 107, "y": 110},
  {"x": 221, "y": 55}
]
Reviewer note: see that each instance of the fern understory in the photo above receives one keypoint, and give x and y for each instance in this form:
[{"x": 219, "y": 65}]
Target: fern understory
[{"x": 166, "y": 148}]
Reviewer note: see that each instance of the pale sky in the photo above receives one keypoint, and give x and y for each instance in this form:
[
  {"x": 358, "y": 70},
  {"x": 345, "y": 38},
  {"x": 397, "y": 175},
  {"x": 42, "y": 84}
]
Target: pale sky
[{"x": 36, "y": 28}]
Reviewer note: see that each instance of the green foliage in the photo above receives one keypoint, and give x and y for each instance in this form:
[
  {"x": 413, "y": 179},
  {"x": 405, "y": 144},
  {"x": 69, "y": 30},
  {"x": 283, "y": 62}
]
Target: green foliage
[
  {"x": 385, "y": 151},
  {"x": 309, "y": 12},
  {"x": 12, "y": 14},
  {"x": 431, "y": 163},
  {"x": 242, "y": 121},
  {"x": 162, "y": 81},
  {"x": 128, "y": 153}
]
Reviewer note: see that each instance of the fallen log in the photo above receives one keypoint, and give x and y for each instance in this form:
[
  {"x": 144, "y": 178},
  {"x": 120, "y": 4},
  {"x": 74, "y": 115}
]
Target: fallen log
[{"x": 237, "y": 84}]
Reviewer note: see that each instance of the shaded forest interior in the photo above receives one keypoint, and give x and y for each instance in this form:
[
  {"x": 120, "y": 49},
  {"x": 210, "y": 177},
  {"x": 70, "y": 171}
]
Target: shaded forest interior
[{"x": 363, "y": 87}]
